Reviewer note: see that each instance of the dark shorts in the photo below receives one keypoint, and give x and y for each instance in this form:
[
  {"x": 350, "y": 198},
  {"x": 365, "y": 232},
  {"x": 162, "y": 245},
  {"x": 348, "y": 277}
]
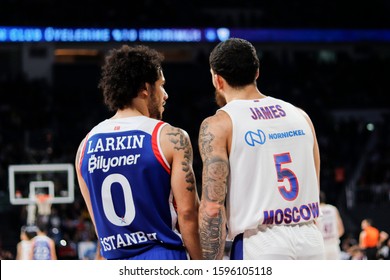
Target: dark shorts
[
  {"x": 236, "y": 252},
  {"x": 371, "y": 253}
]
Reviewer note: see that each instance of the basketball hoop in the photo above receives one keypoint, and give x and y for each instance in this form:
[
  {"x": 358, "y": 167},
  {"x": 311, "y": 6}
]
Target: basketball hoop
[{"x": 43, "y": 202}]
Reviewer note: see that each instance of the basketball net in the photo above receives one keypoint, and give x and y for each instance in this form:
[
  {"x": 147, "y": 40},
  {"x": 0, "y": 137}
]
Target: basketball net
[{"x": 43, "y": 202}]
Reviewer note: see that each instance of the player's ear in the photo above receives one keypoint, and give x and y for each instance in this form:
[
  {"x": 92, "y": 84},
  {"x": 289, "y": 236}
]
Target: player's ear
[
  {"x": 219, "y": 82},
  {"x": 214, "y": 78},
  {"x": 144, "y": 92}
]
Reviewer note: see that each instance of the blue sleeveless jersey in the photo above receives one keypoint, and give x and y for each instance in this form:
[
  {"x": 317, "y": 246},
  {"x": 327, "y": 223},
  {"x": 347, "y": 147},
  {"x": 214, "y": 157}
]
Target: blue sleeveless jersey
[
  {"x": 128, "y": 179},
  {"x": 41, "y": 248}
]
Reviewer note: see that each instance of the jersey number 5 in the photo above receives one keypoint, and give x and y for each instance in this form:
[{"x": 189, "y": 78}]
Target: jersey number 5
[{"x": 285, "y": 173}]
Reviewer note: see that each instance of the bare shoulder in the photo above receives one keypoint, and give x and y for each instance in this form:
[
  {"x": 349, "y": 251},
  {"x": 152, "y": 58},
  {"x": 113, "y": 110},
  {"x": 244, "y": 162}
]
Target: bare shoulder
[
  {"x": 79, "y": 152},
  {"x": 303, "y": 112},
  {"x": 306, "y": 116},
  {"x": 174, "y": 135},
  {"x": 214, "y": 130},
  {"x": 175, "y": 140},
  {"x": 219, "y": 123},
  {"x": 220, "y": 118}
]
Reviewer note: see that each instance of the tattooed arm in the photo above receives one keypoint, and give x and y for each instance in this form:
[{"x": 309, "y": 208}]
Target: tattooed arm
[
  {"x": 213, "y": 147},
  {"x": 178, "y": 151}
]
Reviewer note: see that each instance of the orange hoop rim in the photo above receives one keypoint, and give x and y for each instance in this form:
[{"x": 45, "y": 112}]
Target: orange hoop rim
[{"x": 42, "y": 197}]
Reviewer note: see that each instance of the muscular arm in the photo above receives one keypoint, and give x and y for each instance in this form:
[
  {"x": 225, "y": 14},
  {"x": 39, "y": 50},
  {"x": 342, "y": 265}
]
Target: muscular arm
[
  {"x": 83, "y": 186},
  {"x": 316, "y": 151},
  {"x": 85, "y": 192},
  {"x": 212, "y": 214},
  {"x": 178, "y": 149}
]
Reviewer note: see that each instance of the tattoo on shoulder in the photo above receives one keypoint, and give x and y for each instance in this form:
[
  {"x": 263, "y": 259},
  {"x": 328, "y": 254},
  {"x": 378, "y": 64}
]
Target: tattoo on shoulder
[
  {"x": 205, "y": 139},
  {"x": 181, "y": 142}
]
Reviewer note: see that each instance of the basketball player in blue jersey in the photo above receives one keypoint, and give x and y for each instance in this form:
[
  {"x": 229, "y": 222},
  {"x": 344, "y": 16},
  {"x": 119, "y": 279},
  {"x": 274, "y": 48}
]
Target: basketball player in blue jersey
[
  {"x": 134, "y": 170},
  {"x": 261, "y": 165},
  {"x": 42, "y": 246}
]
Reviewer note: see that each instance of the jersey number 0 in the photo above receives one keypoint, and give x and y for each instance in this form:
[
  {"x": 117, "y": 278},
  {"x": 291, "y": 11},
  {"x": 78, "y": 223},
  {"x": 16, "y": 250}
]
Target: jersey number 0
[{"x": 108, "y": 203}]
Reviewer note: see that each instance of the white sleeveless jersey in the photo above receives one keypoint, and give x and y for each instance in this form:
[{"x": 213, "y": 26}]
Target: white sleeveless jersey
[
  {"x": 25, "y": 246},
  {"x": 328, "y": 224},
  {"x": 273, "y": 179}
]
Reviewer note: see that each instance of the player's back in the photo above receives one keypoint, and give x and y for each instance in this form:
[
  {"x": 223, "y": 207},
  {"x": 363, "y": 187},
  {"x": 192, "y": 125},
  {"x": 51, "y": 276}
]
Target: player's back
[
  {"x": 272, "y": 171},
  {"x": 328, "y": 224},
  {"x": 371, "y": 237},
  {"x": 41, "y": 248},
  {"x": 25, "y": 249},
  {"x": 128, "y": 179}
]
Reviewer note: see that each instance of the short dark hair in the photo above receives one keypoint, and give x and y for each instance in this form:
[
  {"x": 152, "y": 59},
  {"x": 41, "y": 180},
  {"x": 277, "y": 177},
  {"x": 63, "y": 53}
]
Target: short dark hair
[
  {"x": 30, "y": 231},
  {"x": 236, "y": 61},
  {"x": 369, "y": 221},
  {"x": 42, "y": 224},
  {"x": 125, "y": 72}
]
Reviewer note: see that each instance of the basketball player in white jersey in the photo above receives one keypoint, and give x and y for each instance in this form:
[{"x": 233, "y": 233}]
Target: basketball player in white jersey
[
  {"x": 332, "y": 228},
  {"x": 23, "y": 248},
  {"x": 134, "y": 170},
  {"x": 261, "y": 165}
]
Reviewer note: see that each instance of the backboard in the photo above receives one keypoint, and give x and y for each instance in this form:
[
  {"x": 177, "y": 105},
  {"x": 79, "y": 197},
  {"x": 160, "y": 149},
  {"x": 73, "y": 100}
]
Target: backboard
[{"x": 28, "y": 180}]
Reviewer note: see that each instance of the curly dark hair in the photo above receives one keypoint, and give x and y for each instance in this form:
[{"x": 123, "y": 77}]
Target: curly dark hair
[
  {"x": 125, "y": 72},
  {"x": 236, "y": 61}
]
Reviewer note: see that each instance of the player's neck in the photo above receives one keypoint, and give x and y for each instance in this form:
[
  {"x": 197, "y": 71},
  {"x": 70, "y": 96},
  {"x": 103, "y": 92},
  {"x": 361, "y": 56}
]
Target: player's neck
[
  {"x": 132, "y": 111},
  {"x": 247, "y": 93}
]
